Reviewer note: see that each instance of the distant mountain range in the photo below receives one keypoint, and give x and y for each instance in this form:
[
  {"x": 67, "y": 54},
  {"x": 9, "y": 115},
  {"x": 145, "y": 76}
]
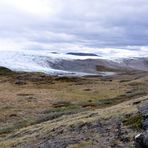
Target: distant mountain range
[
  {"x": 81, "y": 54},
  {"x": 69, "y": 63},
  {"x": 101, "y": 65}
]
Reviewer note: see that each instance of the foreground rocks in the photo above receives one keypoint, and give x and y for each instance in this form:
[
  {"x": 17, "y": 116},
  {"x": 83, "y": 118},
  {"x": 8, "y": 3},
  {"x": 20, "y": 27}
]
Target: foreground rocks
[
  {"x": 99, "y": 134},
  {"x": 141, "y": 140}
]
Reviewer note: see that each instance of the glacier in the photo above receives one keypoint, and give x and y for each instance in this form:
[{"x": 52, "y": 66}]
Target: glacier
[
  {"x": 39, "y": 60},
  {"x": 35, "y": 61}
]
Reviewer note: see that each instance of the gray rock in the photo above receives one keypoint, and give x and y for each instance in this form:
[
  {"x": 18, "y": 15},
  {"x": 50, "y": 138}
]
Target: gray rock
[
  {"x": 145, "y": 124},
  {"x": 141, "y": 140},
  {"x": 20, "y": 82}
]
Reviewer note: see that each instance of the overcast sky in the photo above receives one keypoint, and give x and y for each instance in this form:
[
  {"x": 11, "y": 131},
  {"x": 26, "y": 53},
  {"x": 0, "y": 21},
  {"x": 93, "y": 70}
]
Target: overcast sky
[{"x": 82, "y": 25}]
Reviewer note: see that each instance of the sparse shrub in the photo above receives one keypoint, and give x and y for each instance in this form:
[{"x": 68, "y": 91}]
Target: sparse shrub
[{"x": 134, "y": 121}]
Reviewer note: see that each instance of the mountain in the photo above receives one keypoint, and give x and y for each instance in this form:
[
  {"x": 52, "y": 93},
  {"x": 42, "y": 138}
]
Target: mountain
[
  {"x": 81, "y": 54},
  {"x": 136, "y": 63}
]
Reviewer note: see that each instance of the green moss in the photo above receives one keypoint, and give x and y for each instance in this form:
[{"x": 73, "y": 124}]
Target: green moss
[
  {"x": 13, "y": 127},
  {"x": 134, "y": 122},
  {"x": 63, "y": 109},
  {"x": 5, "y": 71}
]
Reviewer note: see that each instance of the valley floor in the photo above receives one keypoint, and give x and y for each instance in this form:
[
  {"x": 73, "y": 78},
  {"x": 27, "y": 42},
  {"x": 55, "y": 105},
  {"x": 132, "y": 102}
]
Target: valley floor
[{"x": 37, "y": 110}]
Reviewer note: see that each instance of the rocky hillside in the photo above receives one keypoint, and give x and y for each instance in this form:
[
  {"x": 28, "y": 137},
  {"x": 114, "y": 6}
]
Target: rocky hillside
[{"x": 100, "y": 65}]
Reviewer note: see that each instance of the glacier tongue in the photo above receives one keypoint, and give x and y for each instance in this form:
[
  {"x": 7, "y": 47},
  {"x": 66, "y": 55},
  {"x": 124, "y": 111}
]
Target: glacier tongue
[
  {"x": 35, "y": 61},
  {"x": 20, "y": 61}
]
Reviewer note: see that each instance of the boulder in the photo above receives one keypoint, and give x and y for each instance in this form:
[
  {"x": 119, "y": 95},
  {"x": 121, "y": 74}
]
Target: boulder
[{"x": 141, "y": 140}]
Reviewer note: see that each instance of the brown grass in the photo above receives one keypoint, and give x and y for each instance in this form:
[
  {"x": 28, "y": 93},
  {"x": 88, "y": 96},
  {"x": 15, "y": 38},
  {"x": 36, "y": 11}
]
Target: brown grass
[{"x": 41, "y": 101}]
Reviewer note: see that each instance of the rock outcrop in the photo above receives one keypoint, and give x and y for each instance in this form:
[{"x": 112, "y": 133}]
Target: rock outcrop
[{"x": 141, "y": 140}]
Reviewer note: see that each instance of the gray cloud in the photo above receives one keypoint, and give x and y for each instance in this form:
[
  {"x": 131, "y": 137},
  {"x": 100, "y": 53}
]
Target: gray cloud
[{"x": 71, "y": 23}]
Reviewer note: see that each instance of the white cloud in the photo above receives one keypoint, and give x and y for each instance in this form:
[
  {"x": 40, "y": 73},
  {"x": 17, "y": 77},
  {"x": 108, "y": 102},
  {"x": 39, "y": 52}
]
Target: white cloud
[
  {"x": 76, "y": 25},
  {"x": 34, "y": 7}
]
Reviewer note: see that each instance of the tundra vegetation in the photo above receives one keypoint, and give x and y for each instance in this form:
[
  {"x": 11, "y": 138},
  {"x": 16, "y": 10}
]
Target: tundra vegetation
[{"x": 73, "y": 112}]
